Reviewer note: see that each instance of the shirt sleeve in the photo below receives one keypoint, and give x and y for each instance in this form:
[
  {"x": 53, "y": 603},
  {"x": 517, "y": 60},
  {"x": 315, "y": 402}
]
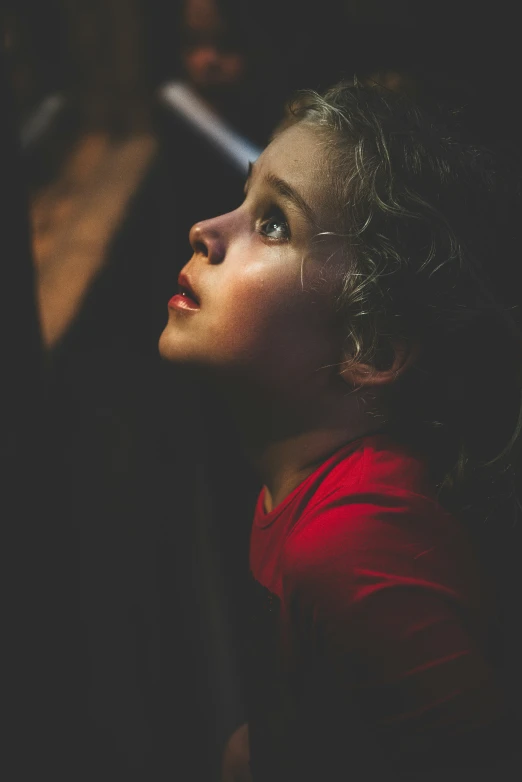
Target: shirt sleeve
[{"x": 379, "y": 620}]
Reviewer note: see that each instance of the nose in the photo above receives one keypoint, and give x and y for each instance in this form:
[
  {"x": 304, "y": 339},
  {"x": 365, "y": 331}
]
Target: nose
[
  {"x": 209, "y": 58},
  {"x": 206, "y": 240}
]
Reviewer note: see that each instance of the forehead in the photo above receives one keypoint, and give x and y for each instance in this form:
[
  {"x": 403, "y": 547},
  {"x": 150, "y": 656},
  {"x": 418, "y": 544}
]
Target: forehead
[
  {"x": 299, "y": 156},
  {"x": 202, "y": 16}
]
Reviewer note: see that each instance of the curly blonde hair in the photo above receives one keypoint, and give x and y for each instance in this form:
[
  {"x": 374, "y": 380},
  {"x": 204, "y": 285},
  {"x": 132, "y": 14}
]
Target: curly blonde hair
[{"x": 426, "y": 221}]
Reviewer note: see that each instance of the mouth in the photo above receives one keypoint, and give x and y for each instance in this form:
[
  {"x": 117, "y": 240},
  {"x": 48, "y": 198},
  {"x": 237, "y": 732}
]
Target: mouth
[
  {"x": 188, "y": 293},
  {"x": 185, "y": 289},
  {"x": 185, "y": 298}
]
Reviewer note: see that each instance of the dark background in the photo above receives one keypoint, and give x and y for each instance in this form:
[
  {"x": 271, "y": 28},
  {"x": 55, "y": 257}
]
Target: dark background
[{"x": 126, "y": 499}]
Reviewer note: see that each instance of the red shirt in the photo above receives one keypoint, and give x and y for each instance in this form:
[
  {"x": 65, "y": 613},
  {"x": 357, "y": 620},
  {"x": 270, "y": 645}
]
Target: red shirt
[{"x": 369, "y": 624}]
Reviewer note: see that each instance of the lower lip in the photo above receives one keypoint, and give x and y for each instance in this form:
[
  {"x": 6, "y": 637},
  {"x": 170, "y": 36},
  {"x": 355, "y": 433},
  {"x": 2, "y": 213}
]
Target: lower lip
[{"x": 179, "y": 302}]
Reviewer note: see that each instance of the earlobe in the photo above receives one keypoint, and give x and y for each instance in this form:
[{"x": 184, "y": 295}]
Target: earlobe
[{"x": 403, "y": 354}]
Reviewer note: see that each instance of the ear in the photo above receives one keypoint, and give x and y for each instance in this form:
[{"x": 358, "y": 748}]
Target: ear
[{"x": 400, "y": 355}]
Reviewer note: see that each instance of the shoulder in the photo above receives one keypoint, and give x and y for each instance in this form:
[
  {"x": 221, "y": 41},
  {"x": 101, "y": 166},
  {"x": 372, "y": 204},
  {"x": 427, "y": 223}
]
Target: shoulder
[
  {"x": 385, "y": 528},
  {"x": 378, "y": 494},
  {"x": 382, "y": 467}
]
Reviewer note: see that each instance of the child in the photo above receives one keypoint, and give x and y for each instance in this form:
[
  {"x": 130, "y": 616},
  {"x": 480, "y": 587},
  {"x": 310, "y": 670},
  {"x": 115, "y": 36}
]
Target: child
[{"x": 348, "y": 312}]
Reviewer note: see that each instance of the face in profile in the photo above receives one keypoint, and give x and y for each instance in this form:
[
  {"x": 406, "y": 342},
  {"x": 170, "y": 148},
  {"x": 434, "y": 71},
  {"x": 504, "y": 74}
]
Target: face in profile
[
  {"x": 211, "y": 57},
  {"x": 256, "y": 298}
]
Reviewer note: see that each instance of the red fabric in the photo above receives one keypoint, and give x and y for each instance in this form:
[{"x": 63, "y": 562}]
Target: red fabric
[{"x": 377, "y": 582}]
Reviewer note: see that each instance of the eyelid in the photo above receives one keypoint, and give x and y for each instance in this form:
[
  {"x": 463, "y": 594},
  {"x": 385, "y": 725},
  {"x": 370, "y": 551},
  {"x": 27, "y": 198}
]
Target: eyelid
[
  {"x": 268, "y": 211},
  {"x": 274, "y": 211}
]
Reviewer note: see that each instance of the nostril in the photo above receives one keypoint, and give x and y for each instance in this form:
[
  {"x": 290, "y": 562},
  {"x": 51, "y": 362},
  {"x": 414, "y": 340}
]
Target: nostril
[
  {"x": 197, "y": 240},
  {"x": 200, "y": 247},
  {"x": 206, "y": 241}
]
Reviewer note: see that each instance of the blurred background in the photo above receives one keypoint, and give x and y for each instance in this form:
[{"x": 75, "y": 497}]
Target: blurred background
[{"x": 127, "y": 502}]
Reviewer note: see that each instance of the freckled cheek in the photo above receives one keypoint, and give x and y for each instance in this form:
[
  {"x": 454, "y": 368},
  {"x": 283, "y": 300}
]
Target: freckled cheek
[
  {"x": 247, "y": 323},
  {"x": 254, "y": 292},
  {"x": 280, "y": 323},
  {"x": 253, "y": 309}
]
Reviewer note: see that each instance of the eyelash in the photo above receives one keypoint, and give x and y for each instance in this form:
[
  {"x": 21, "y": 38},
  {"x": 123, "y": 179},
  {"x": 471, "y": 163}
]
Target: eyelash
[{"x": 275, "y": 215}]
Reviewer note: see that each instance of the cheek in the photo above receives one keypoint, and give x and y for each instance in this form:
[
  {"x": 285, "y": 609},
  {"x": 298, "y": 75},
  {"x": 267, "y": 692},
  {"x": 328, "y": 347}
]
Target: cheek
[
  {"x": 248, "y": 321},
  {"x": 259, "y": 297},
  {"x": 233, "y": 67},
  {"x": 273, "y": 321}
]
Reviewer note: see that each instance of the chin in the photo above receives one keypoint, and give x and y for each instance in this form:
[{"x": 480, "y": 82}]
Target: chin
[
  {"x": 168, "y": 349},
  {"x": 171, "y": 349}
]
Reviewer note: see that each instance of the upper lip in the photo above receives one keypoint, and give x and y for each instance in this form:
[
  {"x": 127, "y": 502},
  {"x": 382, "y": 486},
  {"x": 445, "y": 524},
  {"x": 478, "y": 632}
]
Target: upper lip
[{"x": 185, "y": 286}]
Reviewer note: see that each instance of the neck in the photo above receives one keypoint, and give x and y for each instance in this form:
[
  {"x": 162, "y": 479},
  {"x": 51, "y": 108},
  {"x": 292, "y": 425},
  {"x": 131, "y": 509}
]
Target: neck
[
  {"x": 287, "y": 444},
  {"x": 284, "y": 464}
]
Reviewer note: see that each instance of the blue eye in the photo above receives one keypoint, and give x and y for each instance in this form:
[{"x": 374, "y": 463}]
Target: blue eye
[{"x": 275, "y": 226}]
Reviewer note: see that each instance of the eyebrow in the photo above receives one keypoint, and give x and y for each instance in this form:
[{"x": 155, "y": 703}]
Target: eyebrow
[{"x": 287, "y": 192}]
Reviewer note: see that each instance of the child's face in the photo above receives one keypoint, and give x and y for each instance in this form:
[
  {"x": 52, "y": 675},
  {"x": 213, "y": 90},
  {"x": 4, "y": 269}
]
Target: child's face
[{"x": 264, "y": 281}]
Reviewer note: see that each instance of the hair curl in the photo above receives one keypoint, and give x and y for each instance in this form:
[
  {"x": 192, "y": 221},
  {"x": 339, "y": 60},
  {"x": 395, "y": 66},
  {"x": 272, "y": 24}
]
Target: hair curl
[{"x": 428, "y": 222}]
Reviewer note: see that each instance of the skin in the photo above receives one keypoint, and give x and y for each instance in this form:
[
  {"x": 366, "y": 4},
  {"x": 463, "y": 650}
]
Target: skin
[
  {"x": 209, "y": 65},
  {"x": 235, "y": 762},
  {"x": 265, "y": 328},
  {"x": 266, "y": 279}
]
